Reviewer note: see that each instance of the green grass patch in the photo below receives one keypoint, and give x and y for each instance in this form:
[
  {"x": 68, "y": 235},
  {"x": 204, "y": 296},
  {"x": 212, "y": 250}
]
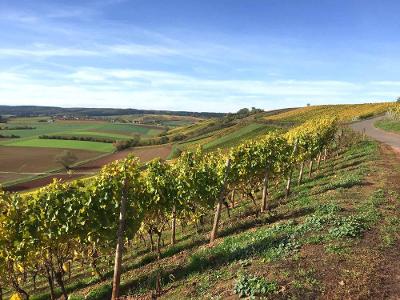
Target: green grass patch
[
  {"x": 230, "y": 139},
  {"x": 80, "y": 145},
  {"x": 254, "y": 286},
  {"x": 389, "y": 125}
]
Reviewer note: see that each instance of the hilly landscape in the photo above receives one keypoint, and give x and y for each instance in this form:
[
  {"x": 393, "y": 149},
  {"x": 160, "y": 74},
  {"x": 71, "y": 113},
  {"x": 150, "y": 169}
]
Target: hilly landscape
[
  {"x": 292, "y": 203},
  {"x": 199, "y": 150}
]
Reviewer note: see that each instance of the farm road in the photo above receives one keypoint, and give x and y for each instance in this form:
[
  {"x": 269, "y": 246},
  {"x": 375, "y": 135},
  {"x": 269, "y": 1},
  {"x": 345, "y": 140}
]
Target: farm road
[{"x": 389, "y": 138}]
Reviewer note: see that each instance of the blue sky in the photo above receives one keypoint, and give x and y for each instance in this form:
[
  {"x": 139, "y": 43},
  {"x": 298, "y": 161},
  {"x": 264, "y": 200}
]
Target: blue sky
[{"x": 204, "y": 55}]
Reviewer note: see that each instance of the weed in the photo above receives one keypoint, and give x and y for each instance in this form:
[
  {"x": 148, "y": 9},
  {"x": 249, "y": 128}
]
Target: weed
[
  {"x": 351, "y": 226},
  {"x": 253, "y": 286}
]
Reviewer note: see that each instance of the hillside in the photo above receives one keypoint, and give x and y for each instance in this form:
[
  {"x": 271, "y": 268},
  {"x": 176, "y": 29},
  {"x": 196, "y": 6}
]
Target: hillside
[
  {"x": 345, "y": 112},
  {"x": 334, "y": 233},
  {"x": 302, "y": 247}
]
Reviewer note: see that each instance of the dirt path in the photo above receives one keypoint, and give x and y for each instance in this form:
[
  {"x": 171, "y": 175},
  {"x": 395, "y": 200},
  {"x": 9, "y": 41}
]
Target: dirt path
[
  {"x": 387, "y": 275},
  {"x": 389, "y": 138}
]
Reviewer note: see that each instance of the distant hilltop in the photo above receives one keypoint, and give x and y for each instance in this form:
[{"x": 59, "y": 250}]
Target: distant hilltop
[{"x": 35, "y": 111}]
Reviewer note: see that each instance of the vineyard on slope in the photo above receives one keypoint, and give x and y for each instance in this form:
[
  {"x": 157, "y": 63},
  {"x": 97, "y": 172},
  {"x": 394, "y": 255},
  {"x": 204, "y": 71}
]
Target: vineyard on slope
[
  {"x": 394, "y": 112},
  {"x": 45, "y": 232},
  {"x": 345, "y": 112}
]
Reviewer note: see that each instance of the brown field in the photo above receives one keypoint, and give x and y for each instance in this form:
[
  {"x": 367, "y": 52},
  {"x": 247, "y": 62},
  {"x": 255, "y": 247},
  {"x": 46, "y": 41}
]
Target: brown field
[
  {"x": 145, "y": 154},
  {"x": 33, "y": 160}
]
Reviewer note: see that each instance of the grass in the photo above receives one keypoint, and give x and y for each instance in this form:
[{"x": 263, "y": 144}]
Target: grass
[
  {"x": 388, "y": 125},
  {"x": 99, "y": 134},
  {"x": 232, "y": 138},
  {"x": 64, "y": 144},
  {"x": 29, "y": 137},
  {"x": 92, "y": 128}
]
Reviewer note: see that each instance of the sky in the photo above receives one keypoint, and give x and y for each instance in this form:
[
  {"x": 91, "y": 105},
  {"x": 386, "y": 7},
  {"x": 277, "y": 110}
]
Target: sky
[{"x": 203, "y": 55}]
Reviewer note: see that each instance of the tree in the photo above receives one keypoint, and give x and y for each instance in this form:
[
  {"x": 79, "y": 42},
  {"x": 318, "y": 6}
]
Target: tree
[
  {"x": 243, "y": 111},
  {"x": 398, "y": 100},
  {"x": 66, "y": 159}
]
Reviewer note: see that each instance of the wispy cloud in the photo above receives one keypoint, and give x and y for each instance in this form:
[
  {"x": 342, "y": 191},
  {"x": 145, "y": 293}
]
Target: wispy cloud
[
  {"x": 46, "y": 52},
  {"x": 80, "y": 54},
  {"x": 168, "y": 90}
]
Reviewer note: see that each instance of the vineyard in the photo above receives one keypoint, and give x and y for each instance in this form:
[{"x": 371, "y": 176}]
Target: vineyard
[
  {"x": 51, "y": 237},
  {"x": 347, "y": 112}
]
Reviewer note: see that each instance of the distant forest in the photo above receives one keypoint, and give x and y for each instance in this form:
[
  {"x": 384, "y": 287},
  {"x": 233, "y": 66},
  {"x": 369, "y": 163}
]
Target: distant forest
[{"x": 36, "y": 111}]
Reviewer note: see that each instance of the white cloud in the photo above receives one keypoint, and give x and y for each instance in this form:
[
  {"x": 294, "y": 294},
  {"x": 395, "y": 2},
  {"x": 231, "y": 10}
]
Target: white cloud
[
  {"x": 387, "y": 83},
  {"x": 99, "y": 87}
]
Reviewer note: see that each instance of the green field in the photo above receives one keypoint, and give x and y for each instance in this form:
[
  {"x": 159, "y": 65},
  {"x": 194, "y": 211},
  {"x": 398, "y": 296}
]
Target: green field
[
  {"x": 96, "y": 129},
  {"x": 227, "y": 137},
  {"x": 388, "y": 125},
  {"x": 104, "y": 129},
  {"x": 98, "y": 134},
  {"x": 237, "y": 136},
  {"x": 64, "y": 144}
]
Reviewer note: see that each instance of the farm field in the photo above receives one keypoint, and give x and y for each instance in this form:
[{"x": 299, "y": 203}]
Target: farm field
[
  {"x": 227, "y": 137},
  {"x": 145, "y": 154},
  {"x": 160, "y": 120},
  {"x": 39, "y": 153},
  {"x": 72, "y": 127},
  {"x": 17, "y": 160},
  {"x": 86, "y": 169},
  {"x": 237, "y": 136},
  {"x": 62, "y": 144}
]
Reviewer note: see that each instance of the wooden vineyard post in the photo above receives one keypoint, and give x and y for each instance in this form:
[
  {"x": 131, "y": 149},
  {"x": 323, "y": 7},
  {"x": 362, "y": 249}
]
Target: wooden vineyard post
[
  {"x": 299, "y": 180},
  {"x": 319, "y": 160},
  {"x": 264, "y": 202},
  {"x": 311, "y": 168},
  {"x": 325, "y": 154},
  {"x": 233, "y": 198},
  {"x": 289, "y": 180},
  {"x": 217, "y": 215},
  {"x": 120, "y": 245},
  {"x": 173, "y": 235}
]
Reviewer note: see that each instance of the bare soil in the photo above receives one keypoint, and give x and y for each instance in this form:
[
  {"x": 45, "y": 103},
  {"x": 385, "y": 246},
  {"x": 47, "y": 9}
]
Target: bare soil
[
  {"x": 19, "y": 162},
  {"x": 145, "y": 154}
]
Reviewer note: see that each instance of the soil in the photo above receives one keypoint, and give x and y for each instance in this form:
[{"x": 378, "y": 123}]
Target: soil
[
  {"x": 144, "y": 153},
  {"x": 20, "y": 162}
]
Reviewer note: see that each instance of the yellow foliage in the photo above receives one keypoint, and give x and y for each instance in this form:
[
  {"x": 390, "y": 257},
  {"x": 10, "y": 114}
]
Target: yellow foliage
[
  {"x": 66, "y": 267},
  {"x": 344, "y": 112},
  {"x": 16, "y": 296}
]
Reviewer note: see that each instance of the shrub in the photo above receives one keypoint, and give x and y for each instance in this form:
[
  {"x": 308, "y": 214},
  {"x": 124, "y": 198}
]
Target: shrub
[
  {"x": 76, "y": 138},
  {"x": 11, "y": 136},
  {"x": 121, "y": 145}
]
